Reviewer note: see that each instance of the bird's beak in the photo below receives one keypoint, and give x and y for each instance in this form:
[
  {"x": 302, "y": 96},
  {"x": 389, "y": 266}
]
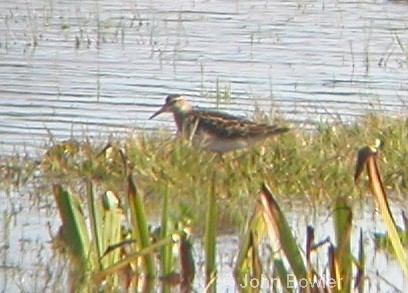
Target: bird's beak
[{"x": 162, "y": 110}]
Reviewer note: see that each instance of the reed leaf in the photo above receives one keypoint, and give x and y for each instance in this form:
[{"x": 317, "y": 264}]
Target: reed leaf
[
  {"x": 210, "y": 237},
  {"x": 74, "y": 229},
  {"x": 343, "y": 226},
  {"x": 131, "y": 258},
  {"x": 140, "y": 227},
  {"x": 187, "y": 262},
  {"x": 310, "y": 239},
  {"x": 96, "y": 220},
  {"x": 165, "y": 254},
  {"x": 254, "y": 256},
  {"x": 361, "y": 265},
  {"x": 276, "y": 221},
  {"x": 367, "y": 156},
  {"x": 166, "y": 259},
  {"x": 282, "y": 273},
  {"x": 248, "y": 264},
  {"x": 112, "y": 234},
  {"x": 334, "y": 266}
]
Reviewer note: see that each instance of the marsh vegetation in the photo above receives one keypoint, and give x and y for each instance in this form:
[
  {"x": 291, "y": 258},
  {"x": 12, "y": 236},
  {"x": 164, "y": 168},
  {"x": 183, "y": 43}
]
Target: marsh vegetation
[{"x": 161, "y": 183}]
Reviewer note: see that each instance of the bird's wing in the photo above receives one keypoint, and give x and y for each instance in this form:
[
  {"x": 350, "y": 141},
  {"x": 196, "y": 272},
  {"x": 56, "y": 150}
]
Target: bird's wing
[{"x": 229, "y": 126}]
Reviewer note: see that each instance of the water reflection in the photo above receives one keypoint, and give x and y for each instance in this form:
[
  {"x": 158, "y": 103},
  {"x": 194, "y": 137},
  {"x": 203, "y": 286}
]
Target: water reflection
[{"x": 100, "y": 68}]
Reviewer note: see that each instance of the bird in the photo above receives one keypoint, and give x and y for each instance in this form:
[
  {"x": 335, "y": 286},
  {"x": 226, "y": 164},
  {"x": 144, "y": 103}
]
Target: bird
[{"x": 213, "y": 131}]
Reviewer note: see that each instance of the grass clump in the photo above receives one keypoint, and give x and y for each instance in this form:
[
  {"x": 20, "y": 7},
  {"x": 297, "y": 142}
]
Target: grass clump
[
  {"x": 314, "y": 165},
  {"x": 267, "y": 220}
]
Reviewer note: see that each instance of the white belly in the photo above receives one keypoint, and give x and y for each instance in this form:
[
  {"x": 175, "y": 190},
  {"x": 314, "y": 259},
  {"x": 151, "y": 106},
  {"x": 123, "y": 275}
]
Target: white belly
[{"x": 220, "y": 145}]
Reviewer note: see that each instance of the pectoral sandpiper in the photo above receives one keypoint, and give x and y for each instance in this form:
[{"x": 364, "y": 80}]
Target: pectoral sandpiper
[{"x": 215, "y": 131}]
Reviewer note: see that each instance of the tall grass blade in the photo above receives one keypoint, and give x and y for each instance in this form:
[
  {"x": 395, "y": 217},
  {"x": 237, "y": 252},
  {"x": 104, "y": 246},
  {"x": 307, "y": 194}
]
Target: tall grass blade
[
  {"x": 210, "y": 237},
  {"x": 187, "y": 263},
  {"x": 96, "y": 220},
  {"x": 334, "y": 267},
  {"x": 368, "y": 156},
  {"x": 75, "y": 232},
  {"x": 342, "y": 226},
  {"x": 282, "y": 273},
  {"x": 112, "y": 233},
  {"x": 166, "y": 257},
  {"x": 165, "y": 253},
  {"x": 131, "y": 258},
  {"x": 310, "y": 239},
  {"x": 361, "y": 265},
  {"x": 276, "y": 221},
  {"x": 244, "y": 268},
  {"x": 140, "y": 226}
]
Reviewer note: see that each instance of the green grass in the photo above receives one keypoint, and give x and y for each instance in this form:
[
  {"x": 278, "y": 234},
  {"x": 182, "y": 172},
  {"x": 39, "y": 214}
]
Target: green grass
[{"x": 312, "y": 165}]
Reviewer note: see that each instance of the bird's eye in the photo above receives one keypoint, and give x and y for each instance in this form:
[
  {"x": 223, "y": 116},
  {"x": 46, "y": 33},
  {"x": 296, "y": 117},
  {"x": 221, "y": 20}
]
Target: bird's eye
[{"x": 173, "y": 102}]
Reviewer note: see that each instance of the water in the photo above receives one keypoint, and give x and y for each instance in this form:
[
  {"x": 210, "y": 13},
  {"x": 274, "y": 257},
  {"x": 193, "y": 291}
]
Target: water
[
  {"x": 101, "y": 68},
  {"x": 28, "y": 265},
  {"x": 96, "y": 68}
]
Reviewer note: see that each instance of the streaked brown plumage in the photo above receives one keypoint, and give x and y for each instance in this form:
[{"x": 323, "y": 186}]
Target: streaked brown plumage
[{"x": 215, "y": 131}]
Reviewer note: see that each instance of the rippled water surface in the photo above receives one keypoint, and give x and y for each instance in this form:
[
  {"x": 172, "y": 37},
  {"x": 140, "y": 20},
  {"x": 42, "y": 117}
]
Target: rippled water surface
[{"x": 101, "y": 68}]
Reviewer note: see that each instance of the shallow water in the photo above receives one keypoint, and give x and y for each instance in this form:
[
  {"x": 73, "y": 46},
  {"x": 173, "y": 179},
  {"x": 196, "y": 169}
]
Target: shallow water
[
  {"x": 382, "y": 271},
  {"x": 28, "y": 263},
  {"x": 101, "y": 68}
]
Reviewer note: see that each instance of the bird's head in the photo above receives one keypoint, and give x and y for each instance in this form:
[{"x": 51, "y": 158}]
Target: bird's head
[{"x": 174, "y": 104}]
